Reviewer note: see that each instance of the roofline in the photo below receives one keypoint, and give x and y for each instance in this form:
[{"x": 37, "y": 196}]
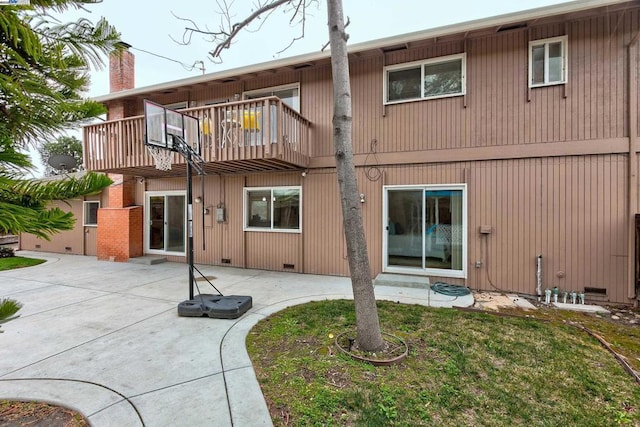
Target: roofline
[{"x": 447, "y": 30}]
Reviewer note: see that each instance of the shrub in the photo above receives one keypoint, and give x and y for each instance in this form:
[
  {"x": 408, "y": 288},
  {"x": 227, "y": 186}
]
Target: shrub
[{"x": 6, "y": 252}]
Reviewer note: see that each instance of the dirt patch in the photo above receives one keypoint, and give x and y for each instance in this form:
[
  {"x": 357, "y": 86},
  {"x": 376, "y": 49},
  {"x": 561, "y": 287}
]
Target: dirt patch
[
  {"x": 38, "y": 414},
  {"x": 492, "y": 301}
]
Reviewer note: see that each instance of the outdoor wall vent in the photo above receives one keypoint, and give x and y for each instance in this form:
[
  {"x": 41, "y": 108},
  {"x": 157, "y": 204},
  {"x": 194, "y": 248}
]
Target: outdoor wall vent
[
  {"x": 512, "y": 27},
  {"x": 288, "y": 266},
  {"x": 301, "y": 66},
  {"x": 395, "y": 48},
  {"x": 598, "y": 291},
  {"x": 226, "y": 261},
  {"x": 67, "y": 248},
  {"x": 37, "y": 246}
]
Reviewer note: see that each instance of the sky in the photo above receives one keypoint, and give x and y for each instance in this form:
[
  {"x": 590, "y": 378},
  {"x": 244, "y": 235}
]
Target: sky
[{"x": 152, "y": 27}]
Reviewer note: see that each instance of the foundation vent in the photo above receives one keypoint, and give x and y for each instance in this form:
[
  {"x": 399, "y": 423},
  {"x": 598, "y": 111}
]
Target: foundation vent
[
  {"x": 596, "y": 291},
  {"x": 288, "y": 266},
  {"x": 226, "y": 261}
]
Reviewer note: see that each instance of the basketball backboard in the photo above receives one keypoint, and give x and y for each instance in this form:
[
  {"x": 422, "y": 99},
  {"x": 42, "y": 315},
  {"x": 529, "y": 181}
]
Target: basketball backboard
[{"x": 162, "y": 125}]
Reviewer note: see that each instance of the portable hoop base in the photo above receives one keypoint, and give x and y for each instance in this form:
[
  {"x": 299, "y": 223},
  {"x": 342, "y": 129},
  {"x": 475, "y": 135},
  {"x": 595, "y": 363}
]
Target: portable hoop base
[{"x": 215, "y": 306}]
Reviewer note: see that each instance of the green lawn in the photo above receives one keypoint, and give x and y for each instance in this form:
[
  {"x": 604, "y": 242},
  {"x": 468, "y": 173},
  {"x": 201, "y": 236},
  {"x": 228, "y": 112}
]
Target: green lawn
[
  {"x": 18, "y": 262},
  {"x": 463, "y": 369}
]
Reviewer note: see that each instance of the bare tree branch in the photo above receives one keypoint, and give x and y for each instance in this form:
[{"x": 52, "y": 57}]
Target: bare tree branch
[
  {"x": 228, "y": 30},
  {"x": 235, "y": 28},
  {"x": 301, "y": 7}
]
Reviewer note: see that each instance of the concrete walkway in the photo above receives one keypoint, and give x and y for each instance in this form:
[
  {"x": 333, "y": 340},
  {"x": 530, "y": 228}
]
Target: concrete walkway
[{"x": 105, "y": 339}]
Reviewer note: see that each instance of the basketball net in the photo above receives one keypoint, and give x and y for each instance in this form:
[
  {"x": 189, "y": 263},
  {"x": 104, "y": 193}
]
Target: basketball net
[{"x": 162, "y": 157}]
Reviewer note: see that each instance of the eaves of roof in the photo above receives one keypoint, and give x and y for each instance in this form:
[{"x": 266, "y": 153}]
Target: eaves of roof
[{"x": 403, "y": 39}]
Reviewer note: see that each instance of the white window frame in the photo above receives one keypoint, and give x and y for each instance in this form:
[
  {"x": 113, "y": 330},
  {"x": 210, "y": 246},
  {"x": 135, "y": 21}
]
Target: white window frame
[
  {"x": 421, "y": 64},
  {"x": 438, "y": 272},
  {"x": 176, "y": 105},
  {"x": 276, "y": 89},
  {"x": 245, "y": 210},
  {"x": 564, "y": 45},
  {"x": 84, "y": 213}
]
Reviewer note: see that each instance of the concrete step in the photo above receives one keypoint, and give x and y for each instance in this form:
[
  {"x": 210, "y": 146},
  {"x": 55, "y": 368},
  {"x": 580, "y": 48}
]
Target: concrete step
[
  {"x": 148, "y": 259},
  {"x": 401, "y": 280}
]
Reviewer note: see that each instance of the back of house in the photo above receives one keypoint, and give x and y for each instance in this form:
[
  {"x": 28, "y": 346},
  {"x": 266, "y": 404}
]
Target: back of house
[{"x": 484, "y": 151}]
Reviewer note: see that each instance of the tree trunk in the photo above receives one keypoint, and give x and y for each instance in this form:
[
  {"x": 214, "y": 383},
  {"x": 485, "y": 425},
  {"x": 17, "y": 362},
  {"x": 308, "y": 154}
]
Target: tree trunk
[{"x": 369, "y": 337}]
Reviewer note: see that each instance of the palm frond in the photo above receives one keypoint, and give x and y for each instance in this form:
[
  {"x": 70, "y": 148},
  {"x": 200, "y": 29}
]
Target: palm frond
[{"x": 8, "y": 308}]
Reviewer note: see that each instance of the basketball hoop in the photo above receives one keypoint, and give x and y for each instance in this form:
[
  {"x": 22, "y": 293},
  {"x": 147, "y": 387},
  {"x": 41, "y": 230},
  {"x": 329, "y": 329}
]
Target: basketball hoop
[{"x": 161, "y": 156}]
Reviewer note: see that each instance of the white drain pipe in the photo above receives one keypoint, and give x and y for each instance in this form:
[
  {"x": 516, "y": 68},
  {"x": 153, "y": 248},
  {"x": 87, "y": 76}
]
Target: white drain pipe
[{"x": 539, "y": 277}]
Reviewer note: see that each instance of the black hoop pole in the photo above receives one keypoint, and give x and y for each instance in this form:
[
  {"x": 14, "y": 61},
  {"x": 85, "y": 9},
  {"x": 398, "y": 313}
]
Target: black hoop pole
[
  {"x": 204, "y": 247},
  {"x": 190, "y": 225}
]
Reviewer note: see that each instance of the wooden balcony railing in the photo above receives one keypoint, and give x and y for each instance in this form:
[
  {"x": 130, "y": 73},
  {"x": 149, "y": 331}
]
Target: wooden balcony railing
[{"x": 234, "y": 133}]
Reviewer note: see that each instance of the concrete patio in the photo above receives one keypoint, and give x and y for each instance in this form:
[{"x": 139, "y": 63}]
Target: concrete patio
[{"x": 105, "y": 339}]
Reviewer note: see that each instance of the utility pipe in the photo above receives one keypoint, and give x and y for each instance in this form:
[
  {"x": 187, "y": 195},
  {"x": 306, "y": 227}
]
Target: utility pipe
[
  {"x": 633, "y": 165},
  {"x": 539, "y": 277}
]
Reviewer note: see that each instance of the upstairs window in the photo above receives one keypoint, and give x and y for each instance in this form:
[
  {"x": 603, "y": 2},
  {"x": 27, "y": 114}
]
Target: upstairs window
[
  {"x": 434, "y": 78},
  {"x": 273, "y": 209},
  {"x": 548, "y": 62},
  {"x": 176, "y": 106},
  {"x": 289, "y": 94}
]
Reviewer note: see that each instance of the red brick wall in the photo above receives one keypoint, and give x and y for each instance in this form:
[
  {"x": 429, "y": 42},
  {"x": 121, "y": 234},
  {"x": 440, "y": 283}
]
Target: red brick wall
[
  {"x": 121, "y": 71},
  {"x": 116, "y": 111},
  {"x": 121, "y": 77},
  {"x": 120, "y": 233},
  {"x": 122, "y": 191},
  {"x": 119, "y": 109}
]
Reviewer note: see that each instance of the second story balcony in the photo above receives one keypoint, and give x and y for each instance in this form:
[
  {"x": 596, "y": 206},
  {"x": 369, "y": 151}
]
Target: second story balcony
[{"x": 258, "y": 135}]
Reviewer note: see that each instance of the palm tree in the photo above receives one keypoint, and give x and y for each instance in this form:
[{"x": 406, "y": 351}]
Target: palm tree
[
  {"x": 24, "y": 204},
  {"x": 44, "y": 67}
]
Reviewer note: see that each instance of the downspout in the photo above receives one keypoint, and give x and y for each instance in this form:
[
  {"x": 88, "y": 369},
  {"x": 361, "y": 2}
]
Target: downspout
[{"x": 633, "y": 166}]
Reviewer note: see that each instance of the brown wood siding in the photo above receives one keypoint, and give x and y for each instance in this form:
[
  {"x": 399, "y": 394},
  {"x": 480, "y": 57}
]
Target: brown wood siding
[
  {"x": 272, "y": 250},
  {"x": 497, "y": 111},
  {"x": 316, "y": 104},
  {"x": 324, "y": 247},
  {"x": 227, "y": 240},
  {"x": 570, "y": 210}
]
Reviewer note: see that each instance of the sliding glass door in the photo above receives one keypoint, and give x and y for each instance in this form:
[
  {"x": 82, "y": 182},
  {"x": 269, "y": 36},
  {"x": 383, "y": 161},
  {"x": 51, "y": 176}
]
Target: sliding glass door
[
  {"x": 425, "y": 230},
  {"x": 166, "y": 223}
]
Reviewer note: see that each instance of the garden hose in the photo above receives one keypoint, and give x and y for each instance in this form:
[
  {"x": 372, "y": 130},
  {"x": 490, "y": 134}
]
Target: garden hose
[{"x": 450, "y": 290}]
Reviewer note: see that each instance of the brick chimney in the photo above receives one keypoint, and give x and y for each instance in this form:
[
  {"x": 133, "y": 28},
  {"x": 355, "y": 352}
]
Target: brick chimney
[
  {"x": 121, "y": 77},
  {"x": 122, "y": 70},
  {"x": 120, "y": 231}
]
